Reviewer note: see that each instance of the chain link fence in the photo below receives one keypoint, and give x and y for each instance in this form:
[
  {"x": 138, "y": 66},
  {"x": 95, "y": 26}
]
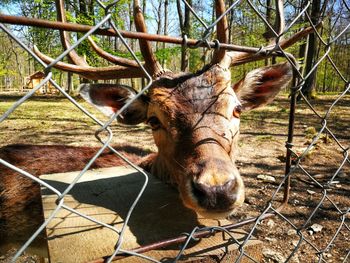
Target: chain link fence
[{"x": 300, "y": 168}]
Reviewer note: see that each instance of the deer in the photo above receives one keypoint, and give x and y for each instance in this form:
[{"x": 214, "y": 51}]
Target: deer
[{"x": 194, "y": 118}]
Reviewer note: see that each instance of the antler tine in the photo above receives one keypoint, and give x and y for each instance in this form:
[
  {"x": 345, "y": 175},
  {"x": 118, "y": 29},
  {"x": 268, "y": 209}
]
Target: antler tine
[
  {"x": 125, "y": 69},
  {"x": 94, "y": 73},
  {"x": 73, "y": 55},
  {"x": 238, "y": 58},
  {"x": 111, "y": 58},
  {"x": 151, "y": 63},
  {"x": 280, "y": 21},
  {"x": 221, "y": 31}
]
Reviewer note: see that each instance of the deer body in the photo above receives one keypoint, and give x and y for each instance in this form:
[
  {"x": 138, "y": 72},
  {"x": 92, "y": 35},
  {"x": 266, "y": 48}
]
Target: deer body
[{"x": 195, "y": 124}]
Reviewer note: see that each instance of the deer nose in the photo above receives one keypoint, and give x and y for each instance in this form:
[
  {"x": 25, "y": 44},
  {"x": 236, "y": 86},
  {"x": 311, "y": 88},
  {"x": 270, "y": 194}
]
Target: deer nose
[{"x": 217, "y": 197}]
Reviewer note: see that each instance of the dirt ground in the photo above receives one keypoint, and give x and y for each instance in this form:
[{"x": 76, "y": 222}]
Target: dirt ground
[{"x": 316, "y": 195}]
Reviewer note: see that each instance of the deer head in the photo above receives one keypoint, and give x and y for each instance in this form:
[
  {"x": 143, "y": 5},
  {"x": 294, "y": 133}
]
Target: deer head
[{"x": 194, "y": 117}]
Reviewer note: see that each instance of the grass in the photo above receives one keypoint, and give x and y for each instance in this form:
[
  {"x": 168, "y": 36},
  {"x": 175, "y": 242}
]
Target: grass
[
  {"x": 264, "y": 137},
  {"x": 55, "y": 120}
]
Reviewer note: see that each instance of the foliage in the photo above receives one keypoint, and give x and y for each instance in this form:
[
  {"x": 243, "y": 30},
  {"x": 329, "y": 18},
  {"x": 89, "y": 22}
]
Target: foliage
[
  {"x": 246, "y": 28},
  {"x": 6, "y": 72},
  {"x": 167, "y": 53}
]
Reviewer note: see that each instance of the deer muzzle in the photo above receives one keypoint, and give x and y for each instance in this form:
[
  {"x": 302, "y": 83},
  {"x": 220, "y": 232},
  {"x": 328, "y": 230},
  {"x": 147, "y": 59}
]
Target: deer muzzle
[{"x": 216, "y": 191}]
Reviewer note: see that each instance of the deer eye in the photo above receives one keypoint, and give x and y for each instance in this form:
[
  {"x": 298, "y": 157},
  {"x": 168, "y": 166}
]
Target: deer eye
[
  {"x": 154, "y": 123},
  {"x": 237, "y": 111}
]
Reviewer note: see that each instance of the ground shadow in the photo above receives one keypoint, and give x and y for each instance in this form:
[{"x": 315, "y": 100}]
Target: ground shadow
[
  {"x": 158, "y": 215},
  {"x": 20, "y": 202}
]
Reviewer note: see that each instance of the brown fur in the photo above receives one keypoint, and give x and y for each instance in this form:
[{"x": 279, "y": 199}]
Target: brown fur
[
  {"x": 20, "y": 204},
  {"x": 194, "y": 127},
  {"x": 197, "y": 135}
]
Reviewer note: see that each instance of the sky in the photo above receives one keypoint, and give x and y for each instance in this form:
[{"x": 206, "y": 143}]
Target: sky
[{"x": 8, "y": 9}]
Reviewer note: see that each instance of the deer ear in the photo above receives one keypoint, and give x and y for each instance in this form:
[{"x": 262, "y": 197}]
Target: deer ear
[
  {"x": 109, "y": 98},
  {"x": 259, "y": 87}
]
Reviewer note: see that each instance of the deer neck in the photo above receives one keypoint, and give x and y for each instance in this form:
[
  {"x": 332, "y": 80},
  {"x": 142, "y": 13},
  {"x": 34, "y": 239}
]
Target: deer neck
[{"x": 157, "y": 166}]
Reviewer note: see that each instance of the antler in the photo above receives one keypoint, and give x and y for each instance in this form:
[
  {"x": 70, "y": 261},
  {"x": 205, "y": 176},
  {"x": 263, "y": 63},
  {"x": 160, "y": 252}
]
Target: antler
[
  {"x": 279, "y": 22},
  {"x": 151, "y": 64},
  {"x": 221, "y": 31},
  {"x": 94, "y": 73},
  {"x": 73, "y": 55},
  {"x": 114, "y": 59},
  {"x": 234, "y": 58},
  {"x": 125, "y": 68}
]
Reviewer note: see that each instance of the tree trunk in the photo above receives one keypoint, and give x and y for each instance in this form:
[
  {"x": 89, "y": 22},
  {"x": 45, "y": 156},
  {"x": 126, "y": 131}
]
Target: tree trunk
[
  {"x": 311, "y": 52},
  {"x": 69, "y": 82},
  {"x": 132, "y": 42},
  {"x": 91, "y": 10},
  {"x": 144, "y": 6},
  {"x": 268, "y": 34},
  {"x": 185, "y": 31},
  {"x": 166, "y": 4},
  {"x": 230, "y": 23},
  {"x": 159, "y": 22}
]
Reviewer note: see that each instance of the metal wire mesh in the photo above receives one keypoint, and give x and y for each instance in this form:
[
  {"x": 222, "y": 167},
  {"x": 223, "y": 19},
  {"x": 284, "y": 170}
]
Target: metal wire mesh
[{"x": 298, "y": 169}]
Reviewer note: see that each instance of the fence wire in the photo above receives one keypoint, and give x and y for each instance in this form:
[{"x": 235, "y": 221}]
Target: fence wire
[{"x": 298, "y": 168}]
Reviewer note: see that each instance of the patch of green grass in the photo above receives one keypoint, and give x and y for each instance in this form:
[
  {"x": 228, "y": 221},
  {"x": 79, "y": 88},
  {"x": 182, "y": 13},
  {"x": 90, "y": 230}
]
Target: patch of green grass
[
  {"x": 49, "y": 110},
  {"x": 283, "y": 110},
  {"x": 55, "y": 120}
]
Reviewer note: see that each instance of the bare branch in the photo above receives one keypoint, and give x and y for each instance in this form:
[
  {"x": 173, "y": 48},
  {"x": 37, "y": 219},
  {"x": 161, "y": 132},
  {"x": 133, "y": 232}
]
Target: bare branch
[
  {"x": 111, "y": 58},
  {"x": 221, "y": 31},
  {"x": 94, "y": 73}
]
